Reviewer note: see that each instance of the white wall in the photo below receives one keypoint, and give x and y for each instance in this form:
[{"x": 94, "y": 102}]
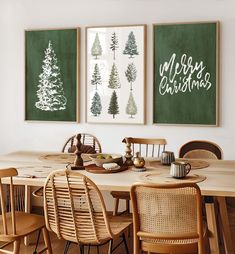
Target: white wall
[{"x": 17, "y": 15}]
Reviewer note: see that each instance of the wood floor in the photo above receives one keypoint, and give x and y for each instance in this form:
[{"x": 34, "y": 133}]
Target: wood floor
[{"x": 58, "y": 247}]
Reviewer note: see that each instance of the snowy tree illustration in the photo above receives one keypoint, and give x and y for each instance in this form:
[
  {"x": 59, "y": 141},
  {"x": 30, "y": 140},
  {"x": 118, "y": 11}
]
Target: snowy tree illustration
[
  {"x": 96, "y": 49},
  {"x": 114, "y": 81},
  {"x": 114, "y": 44},
  {"x": 96, "y": 78},
  {"x": 131, "y": 74},
  {"x": 96, "y": 106},
  {"x": 50, "y": 91},
  {"x": 131, "y": 46},
  {"x": 113, "y": 105},
  {"x": 131, "y": 108}
]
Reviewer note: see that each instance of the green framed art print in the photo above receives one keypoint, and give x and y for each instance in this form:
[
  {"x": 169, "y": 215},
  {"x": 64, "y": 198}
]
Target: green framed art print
[
  {"x": 52, "y": 74},
  {"x": 186, "y": 73}
]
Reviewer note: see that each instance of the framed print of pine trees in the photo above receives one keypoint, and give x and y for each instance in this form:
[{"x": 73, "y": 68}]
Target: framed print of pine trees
[
  {"x": 115, "y": 74},
  {"x": 51, "y": 74}
]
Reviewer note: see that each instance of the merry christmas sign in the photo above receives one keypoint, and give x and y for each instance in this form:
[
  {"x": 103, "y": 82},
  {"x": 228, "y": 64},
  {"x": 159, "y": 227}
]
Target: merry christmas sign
[{"x": 186, "y": 73}]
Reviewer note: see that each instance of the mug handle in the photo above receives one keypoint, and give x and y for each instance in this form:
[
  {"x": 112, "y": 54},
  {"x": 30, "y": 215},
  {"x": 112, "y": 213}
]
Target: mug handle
[{"x": 188, "y": 168}]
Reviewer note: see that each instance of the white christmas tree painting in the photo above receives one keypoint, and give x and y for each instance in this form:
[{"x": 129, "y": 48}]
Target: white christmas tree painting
[{"x": 50, "y": 91}]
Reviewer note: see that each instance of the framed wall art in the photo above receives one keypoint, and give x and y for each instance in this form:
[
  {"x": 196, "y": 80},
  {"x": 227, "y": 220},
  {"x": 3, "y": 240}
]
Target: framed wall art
[
  {"x": 115, "y": 74},
  {"x": 186, "y": 73},
  {"x": 52, "y": 74}
]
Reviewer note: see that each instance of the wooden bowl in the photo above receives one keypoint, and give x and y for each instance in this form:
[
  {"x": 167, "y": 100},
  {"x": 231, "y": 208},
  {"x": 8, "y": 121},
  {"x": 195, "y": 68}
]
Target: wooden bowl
[{"x": 99, "y": 162}]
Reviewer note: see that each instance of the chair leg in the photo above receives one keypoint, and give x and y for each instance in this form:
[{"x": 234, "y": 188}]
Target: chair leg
[
  {"x": 116, "y": 204},
  {"x": 36, "y": 246},
  {"x": 98, "y": 252},
  {"x": 66, "y": 248},
  {"x": 127, "y": 206},
  {"x": 110, "y": 246},
  {"x": 16, "y": 248},
  {"x": 82, "y": 249},
  {"x": 47, "y": 240},
  {"x": 125, "y": 243}
]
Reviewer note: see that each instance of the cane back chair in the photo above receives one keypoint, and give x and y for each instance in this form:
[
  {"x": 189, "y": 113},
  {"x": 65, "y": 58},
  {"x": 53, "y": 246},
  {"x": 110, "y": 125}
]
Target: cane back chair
[
  {"x": 14, "y": 225},
  {"x": 200, "y": 149},
  {"x": 75, "y": 210},
  {"x": 90, "y": 142},
  {"x": 147, "y": 148},
  {"x": 203, "y": 149},
  {"x": 168, "y": 218}
]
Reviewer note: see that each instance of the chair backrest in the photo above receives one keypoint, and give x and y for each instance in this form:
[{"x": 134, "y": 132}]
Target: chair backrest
[
  {"x": 74, "y": 208},
  {"x": 147, "y": 147},
  {"x": 87, "y": 140},
  {"x": 8, "y": 229},
  {"x": 166, "y": 212},
  {"x": 200, "y": 149}
]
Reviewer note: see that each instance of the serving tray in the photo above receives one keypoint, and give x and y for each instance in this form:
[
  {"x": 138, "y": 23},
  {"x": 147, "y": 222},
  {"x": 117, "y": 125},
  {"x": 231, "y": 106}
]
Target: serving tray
[{"x": 92, "y": 168}]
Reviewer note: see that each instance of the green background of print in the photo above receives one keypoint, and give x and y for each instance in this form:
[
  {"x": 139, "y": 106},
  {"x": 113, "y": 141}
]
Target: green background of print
[
  {"x": 64, "y": 43},
  {"x": 198, "y": 40}
]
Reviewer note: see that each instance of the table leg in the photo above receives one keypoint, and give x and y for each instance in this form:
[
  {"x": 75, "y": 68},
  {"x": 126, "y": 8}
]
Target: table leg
[
  {"x": 223, "y": 213},
  {"x": 212, "y": 227},
  {"x": 27, "y": 208}
]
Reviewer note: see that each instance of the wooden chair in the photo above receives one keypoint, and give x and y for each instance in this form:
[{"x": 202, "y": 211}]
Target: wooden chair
[
  {"x": 90, "y": 145},
  {"x": 15, "y": 225},
  {"x": 200, "y": 149},
  {"x": 146, "y": 148},
  {"x": 75, "y": 211},
  {"x": 87, "y": 140},
  {"x": 168, "y": 218}
]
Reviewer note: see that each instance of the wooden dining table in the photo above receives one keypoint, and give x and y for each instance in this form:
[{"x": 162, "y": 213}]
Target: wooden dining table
[{"x": 217, "y": 181}]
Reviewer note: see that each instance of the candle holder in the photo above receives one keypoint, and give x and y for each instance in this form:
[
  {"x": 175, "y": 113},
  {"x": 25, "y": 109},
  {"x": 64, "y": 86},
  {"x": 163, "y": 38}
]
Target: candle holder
[{"x": 78, "y": 162}]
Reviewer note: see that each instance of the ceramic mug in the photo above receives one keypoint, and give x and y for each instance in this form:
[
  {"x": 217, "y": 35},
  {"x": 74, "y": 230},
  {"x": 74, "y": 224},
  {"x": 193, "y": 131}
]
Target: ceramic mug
[
  {"x": 180, "y": 169},
  {"x": 167, "y": 157}
]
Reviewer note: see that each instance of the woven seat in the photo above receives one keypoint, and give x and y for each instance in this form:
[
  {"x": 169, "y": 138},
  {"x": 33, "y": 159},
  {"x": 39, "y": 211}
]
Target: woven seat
[
  {"x": 15, "y": 225},
  {"x": 147, "y": 148},
  {"x": 75, "y": 211},
  {"x": 168, "y": 218}
]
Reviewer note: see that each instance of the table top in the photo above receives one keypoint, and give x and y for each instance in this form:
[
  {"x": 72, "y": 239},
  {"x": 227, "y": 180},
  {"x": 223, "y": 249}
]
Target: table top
[{"x": 220, "y": 174}]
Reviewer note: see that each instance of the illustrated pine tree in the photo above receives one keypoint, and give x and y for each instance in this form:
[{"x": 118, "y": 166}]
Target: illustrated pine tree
[
  {"x": 114, "y": 44},
  {"x": 96, "y": 106},
  {"x": 96, "y": 49},
  {"x": 131, "y": 46},
  {"x": 96, "y": 78},
  {"x": 113, "y": 105},
  {"x": 50, "y": 91},
  {"x": 131, "y": 74},
  {"x": 131, "y": 108},
  {"x": 114, "y": 81}
]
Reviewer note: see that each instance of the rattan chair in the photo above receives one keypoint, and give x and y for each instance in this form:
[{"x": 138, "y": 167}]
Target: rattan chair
[
  {"x": 75, "y": 210},
  {"x": 168, "y": 218},
  {"x": 15, "y": 225},
  {"x": 146, "y": 148},
  {"x": 200, "y": 149},
  {"x": 92, "y": 143}
]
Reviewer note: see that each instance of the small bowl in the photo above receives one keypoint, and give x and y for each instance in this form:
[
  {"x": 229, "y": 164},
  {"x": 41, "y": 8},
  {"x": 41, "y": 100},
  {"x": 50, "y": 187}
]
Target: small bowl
[{"x": 99, "y": 162}]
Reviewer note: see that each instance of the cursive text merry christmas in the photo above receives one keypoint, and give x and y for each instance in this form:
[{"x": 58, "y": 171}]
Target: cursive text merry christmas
[{"x": 183, "y": 76}]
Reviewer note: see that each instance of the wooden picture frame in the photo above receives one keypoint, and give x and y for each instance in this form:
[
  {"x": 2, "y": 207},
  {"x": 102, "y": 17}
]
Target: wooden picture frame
[
  {"x": 186, "y": 73},
  {"x": 116, "y": 74},
  {"x": 52, "y": 65}
]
